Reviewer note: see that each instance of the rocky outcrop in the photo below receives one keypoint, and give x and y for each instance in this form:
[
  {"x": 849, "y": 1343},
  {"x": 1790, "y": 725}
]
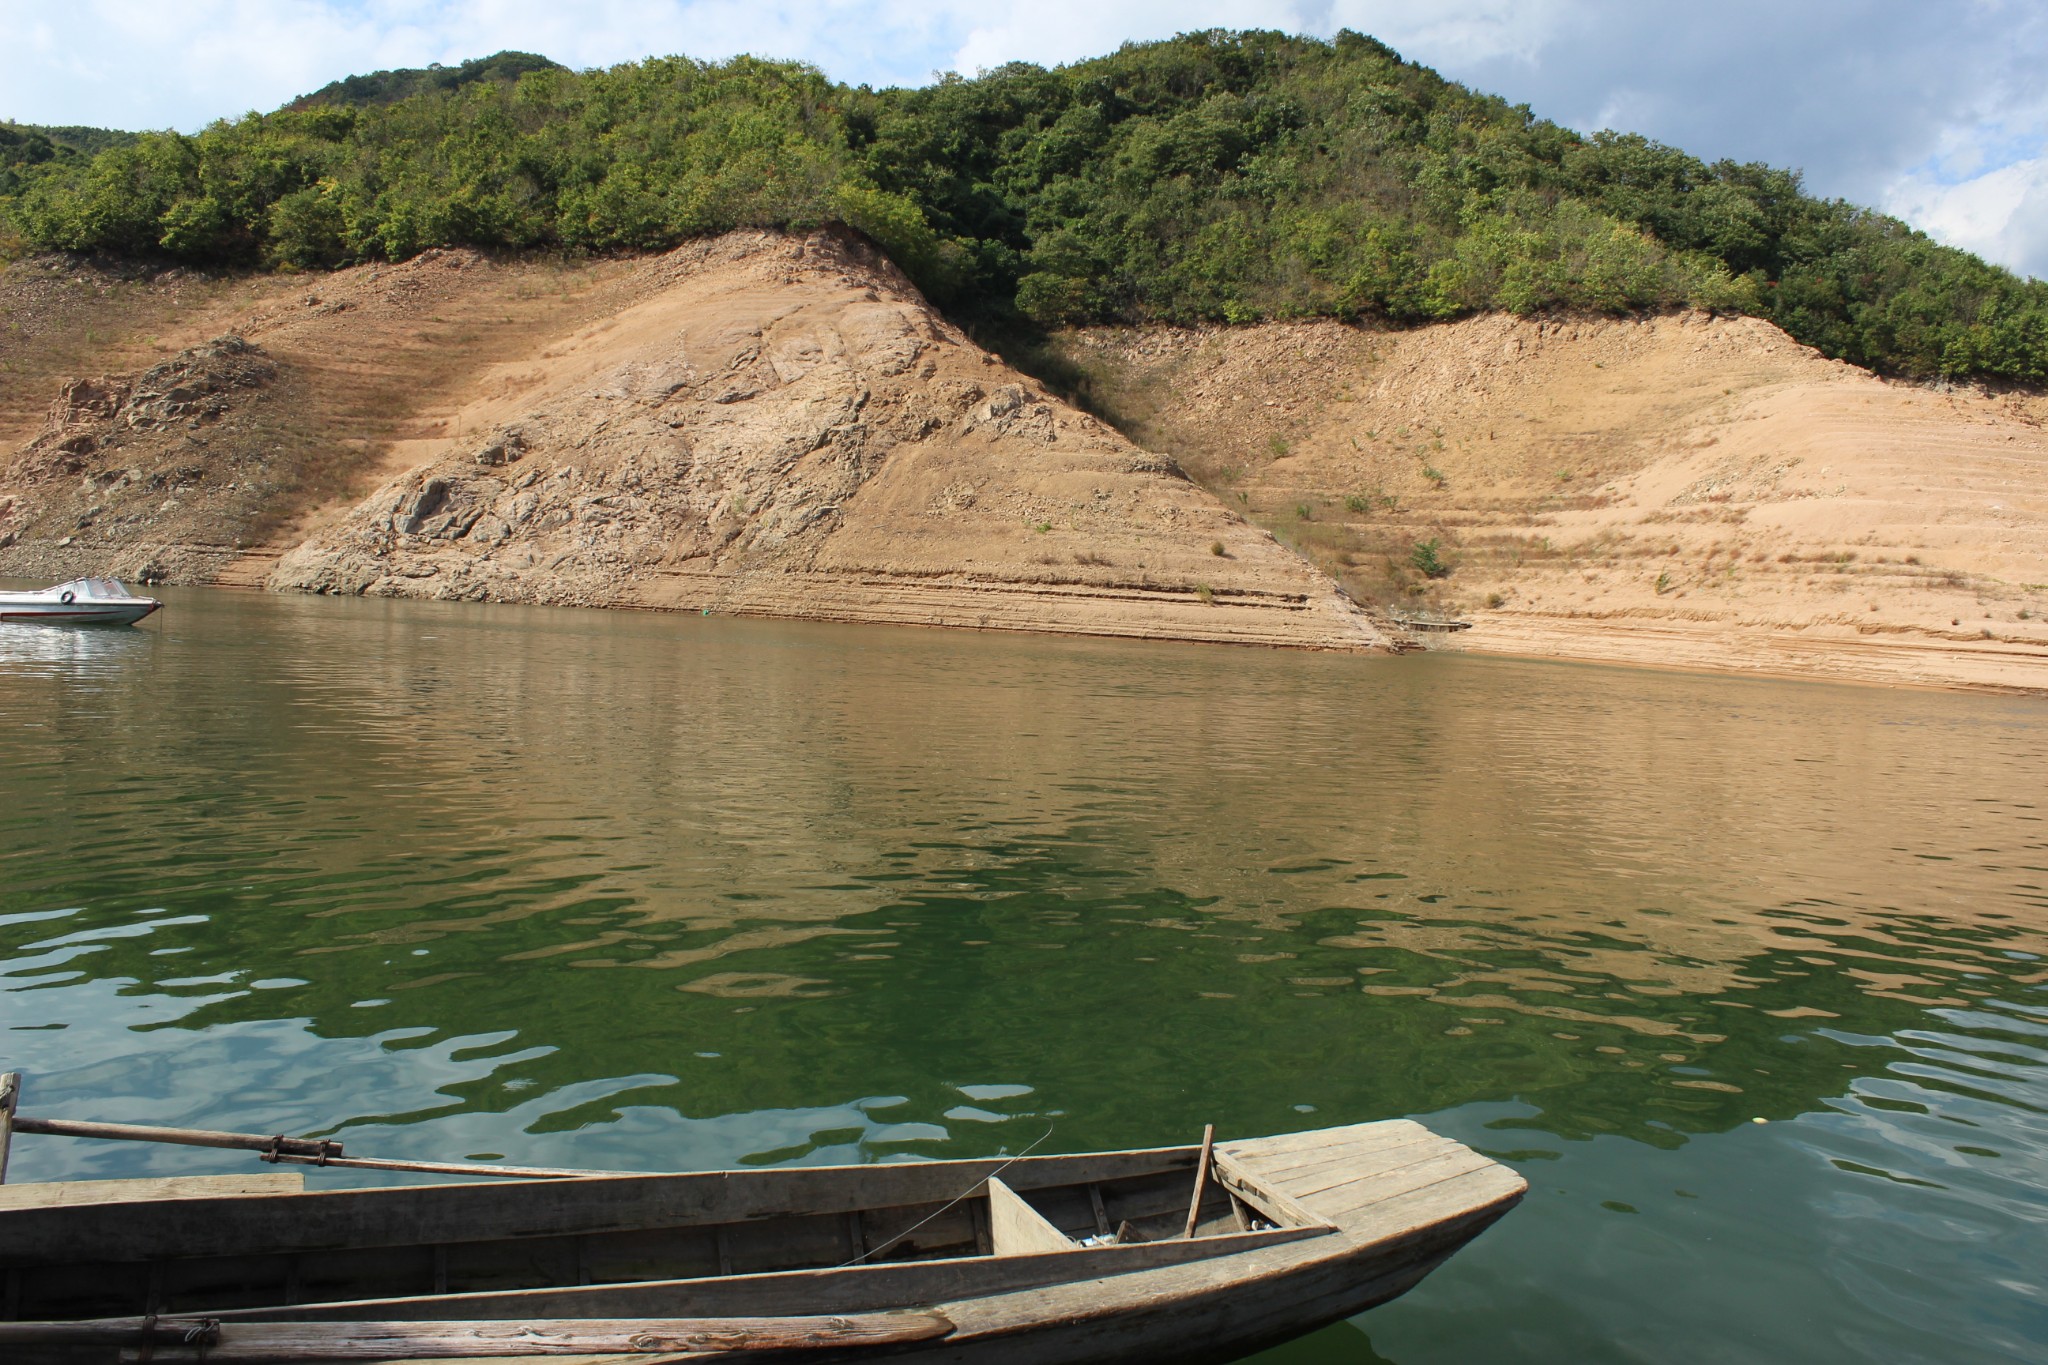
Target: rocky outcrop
[
  {"x": 193, "y": 388},
  {"x": 781, "y": 426},
  {"x": 144, "y": 476}
]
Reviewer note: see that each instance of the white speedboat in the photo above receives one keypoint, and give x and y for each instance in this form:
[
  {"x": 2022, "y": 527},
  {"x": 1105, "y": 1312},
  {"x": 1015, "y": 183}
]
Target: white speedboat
[{"x": 81, "y": 602}]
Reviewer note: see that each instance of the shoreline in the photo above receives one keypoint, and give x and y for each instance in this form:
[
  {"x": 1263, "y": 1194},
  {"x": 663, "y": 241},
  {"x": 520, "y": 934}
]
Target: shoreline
[
  {"x": 2012, "y": 671},
  {"x": 1720, "y": 654}
]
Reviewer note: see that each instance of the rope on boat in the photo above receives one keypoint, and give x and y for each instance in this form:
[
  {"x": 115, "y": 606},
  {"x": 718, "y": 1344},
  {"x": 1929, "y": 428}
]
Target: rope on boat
[{"x": 879, "y": 1249}]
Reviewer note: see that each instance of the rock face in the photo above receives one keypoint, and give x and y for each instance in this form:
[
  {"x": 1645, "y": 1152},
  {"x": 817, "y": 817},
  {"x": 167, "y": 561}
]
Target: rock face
[
  {"x": 131, "y": 473},
  {"x": 781, "y": 427}
]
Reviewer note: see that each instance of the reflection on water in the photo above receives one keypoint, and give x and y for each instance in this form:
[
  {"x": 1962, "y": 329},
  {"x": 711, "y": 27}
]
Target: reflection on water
[
  {"x": 75, "y": 653},
  {"x": 667, "y": 892}
]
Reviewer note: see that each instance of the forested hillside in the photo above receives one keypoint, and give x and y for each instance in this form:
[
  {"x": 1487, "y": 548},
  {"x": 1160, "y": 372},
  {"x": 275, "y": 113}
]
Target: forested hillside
[
  {"x": 1230, "y": 176},
  {"x": 24, "y": 145},
  {"x": 389, "y": 87}
]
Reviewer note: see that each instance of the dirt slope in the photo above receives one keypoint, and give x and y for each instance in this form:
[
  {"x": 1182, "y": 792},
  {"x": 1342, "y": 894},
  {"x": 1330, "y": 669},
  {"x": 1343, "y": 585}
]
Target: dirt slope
[
  {"x": 211, "y": 412},
  {"x": 1682, "y": 491},
  {"x": 759, "y": 424}
]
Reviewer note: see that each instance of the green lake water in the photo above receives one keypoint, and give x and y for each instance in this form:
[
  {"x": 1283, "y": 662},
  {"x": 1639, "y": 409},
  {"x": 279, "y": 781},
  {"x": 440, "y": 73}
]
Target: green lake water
[{"x": 683, "y": 893}]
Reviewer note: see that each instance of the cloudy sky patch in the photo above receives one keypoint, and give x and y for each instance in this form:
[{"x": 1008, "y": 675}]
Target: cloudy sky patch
[{"x": 1937, "y": 112}]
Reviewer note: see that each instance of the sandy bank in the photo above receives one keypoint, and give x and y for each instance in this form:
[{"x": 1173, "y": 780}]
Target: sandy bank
[{"x": 1683, "y": 491}]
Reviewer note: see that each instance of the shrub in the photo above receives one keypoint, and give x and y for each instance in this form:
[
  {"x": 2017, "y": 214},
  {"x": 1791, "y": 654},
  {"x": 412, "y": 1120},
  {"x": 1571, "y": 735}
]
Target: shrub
[{"x": 1428, "y": 559}]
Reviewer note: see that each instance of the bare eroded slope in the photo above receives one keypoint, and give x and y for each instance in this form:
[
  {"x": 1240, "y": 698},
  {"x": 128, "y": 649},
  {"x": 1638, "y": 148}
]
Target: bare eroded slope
[
  {"x": 760, "y": 424},
  {"x": 1683, "y": 491}
]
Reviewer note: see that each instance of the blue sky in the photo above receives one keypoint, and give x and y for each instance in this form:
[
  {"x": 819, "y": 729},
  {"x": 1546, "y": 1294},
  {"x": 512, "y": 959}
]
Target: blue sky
[{"x": 1936, "y": 110}]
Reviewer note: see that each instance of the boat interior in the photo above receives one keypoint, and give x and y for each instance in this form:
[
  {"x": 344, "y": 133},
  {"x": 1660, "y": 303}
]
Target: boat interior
[{"x": 874, "y": 1231}]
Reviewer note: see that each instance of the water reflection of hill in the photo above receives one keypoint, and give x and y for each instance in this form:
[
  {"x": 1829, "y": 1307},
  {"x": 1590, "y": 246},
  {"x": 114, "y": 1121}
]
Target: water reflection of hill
[{"x": 617, "y": 838}]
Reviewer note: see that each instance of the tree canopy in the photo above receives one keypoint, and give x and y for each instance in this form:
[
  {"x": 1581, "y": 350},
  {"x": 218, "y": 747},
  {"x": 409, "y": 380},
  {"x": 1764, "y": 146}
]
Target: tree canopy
[
  {"x": 1217, "y": 175},
  {"x": 389, "y": 87}
]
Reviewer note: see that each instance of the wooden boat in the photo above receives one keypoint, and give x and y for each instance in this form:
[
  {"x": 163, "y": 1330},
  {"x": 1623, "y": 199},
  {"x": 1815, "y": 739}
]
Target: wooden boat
[
  {"x": 81, "y": 602},
  {"x": 1183, "y": 1254}
]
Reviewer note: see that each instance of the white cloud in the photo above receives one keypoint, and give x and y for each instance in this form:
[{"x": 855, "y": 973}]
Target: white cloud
[
  {"x": 1937, "y": 111},
  {"x": 2002, "y": 214}
]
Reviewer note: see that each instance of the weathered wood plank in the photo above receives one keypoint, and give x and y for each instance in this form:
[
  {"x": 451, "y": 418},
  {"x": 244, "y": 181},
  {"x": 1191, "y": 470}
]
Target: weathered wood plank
[
  {"x": 69, "y": 1193},
  {"x": 1348, "y": 1198},
  {"x": 483, "y": 1212},
  {"x": 1201, "y": 1178},
  {"x": 212, "y": 1340},
  {"x": 1302, "y": 1175},
  {"x": 1017, "y": 1229},
  {"x": 1320, "y": 1137},
  {"x": 1277, "y": 1207},
  {"x": 1307, "y": 1187},
  {"x": 1357, "y": 1149},
  {"x": 10, "y": 1100},
  {"x": 854, "y": 1289},
  {"x": 1492, "y": 1187},
  {"x": 1100, "y": 1211}
]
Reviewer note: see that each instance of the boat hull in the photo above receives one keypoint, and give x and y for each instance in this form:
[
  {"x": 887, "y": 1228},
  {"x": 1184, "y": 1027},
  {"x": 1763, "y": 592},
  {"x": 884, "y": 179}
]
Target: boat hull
[
  {"x": 81, "y": 602},
  {"x": 1295, "y": 1233}
]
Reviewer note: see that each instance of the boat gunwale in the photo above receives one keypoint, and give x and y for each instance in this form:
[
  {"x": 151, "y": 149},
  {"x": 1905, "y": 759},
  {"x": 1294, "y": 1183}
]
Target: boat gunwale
[{"x": 115, "y": 1222}]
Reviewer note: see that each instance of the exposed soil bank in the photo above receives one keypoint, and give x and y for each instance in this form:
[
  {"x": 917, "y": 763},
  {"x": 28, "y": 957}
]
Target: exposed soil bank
[
  {"x": 761, "y": 424},
  {"x": 1680, "y": 491},
  {"x": 780, "y": 426}
]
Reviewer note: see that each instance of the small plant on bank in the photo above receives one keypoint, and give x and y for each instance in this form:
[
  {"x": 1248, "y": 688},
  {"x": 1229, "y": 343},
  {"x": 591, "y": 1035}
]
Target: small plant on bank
[
  {"x": 1357, "y": 502},
  {"x": 1494, "y": 601},
  {"x": 1303, "y": 511},
  {"x": 1278, "y": 445},
  {"x": 1216, "y": 548},
  {"x": 1663, "y": 584},
  {"x": 1434, "y": 475},
  {"x": 1206, "y": 593},
  {"x": 1428, "y": 559},
  {"x": 1042, "y": 527}
]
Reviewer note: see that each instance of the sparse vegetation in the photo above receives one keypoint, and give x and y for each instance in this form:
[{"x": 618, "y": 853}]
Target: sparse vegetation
[
  {"x": 1216, "y": 548},
  {"x": 1427, "y": 559}
]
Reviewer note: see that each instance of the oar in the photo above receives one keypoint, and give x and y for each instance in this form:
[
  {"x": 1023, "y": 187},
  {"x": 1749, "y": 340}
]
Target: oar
[{"x": 275, "y": 1148}]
